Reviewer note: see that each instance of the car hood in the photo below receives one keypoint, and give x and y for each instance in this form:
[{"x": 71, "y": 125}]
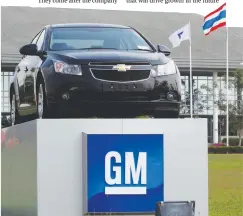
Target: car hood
[{"x": 87, "y": 56}]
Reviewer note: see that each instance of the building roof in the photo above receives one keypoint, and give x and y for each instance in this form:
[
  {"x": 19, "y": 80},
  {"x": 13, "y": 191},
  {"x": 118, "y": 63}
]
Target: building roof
[{"x": 21, "y": 24}]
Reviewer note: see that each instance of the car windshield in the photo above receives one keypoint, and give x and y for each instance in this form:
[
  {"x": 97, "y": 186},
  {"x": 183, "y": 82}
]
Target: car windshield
[{"x": 97, "y": 38}]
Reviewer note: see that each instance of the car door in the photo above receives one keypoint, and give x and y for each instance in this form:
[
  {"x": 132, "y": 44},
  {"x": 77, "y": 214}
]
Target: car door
[
  {"x": 32, "y": 66},
  {"x": 21, "y": 71}
]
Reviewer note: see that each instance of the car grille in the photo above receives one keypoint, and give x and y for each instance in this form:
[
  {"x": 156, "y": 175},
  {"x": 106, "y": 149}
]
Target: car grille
[
  {"x": 113, "y": 75},
  {"x": 105, "y": 71}
]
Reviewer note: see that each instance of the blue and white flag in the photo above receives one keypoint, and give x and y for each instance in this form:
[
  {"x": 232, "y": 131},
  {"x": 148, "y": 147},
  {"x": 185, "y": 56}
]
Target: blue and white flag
[
  {"x": 215, "y": 20},
  {"x": 180, "y": 35}
]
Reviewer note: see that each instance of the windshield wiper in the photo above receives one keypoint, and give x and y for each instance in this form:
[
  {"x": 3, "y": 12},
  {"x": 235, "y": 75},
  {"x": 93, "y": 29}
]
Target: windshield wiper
[
  {"x": 93, "y": 48},
  {"x": 90, "y": 48},
  {"x": 140, "y": 49}
]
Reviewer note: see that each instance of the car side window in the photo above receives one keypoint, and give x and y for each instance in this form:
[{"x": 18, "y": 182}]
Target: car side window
[
  {"x": 36, "y": 38},
  {"x": 40, "y": 40}
]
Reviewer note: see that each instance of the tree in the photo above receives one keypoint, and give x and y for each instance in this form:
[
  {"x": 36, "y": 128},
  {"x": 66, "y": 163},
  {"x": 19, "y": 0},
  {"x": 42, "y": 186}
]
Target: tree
[
  {"x": 199, "y": 101},
  {"x": 235, "y": 107}
]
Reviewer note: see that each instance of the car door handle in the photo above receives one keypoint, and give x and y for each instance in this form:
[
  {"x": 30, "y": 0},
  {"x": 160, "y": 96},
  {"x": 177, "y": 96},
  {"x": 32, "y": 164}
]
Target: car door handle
[{"x": 26, "y": 69}]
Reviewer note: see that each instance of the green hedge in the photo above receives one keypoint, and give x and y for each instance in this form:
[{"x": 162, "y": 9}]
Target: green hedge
[
  {"x": 233, "y": 141},
  {"x": 225, "y": 150}
]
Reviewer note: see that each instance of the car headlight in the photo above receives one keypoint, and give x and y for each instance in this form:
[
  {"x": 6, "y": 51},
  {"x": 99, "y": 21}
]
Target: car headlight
[
  {"x": 62, "y": 67},
  {"x": 167, "y": 69}
]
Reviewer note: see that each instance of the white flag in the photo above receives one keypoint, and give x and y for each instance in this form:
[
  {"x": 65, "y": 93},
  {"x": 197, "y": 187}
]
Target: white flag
[{"x": 180, "y": 35}]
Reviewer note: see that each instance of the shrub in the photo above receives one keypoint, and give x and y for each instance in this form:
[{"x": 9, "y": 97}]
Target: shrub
[
  {"x": 233, "y": 141},
  {"x": 218, "y": 144},
  {"x": 225, "y": 150}
]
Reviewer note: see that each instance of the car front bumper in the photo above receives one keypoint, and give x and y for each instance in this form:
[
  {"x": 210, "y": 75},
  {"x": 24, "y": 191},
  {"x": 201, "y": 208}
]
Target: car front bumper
[{"x": 84, "y": 94}]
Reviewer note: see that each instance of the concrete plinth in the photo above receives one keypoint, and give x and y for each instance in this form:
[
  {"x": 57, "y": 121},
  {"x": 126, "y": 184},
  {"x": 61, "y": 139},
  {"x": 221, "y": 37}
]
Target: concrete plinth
[{"x": 59, "y": 167}]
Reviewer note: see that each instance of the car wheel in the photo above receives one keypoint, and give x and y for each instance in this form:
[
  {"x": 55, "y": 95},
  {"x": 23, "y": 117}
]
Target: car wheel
[
  {"x": 41, "y": 101},
  {"x": 14, "y": 115}
]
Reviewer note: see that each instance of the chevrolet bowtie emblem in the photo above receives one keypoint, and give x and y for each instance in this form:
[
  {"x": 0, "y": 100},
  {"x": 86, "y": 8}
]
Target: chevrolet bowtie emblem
[{"x": 121, "y": 67}]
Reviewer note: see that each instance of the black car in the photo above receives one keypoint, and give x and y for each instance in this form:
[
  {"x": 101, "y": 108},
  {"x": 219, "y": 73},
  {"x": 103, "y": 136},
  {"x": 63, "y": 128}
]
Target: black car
[{"x": 94, "y": 70}]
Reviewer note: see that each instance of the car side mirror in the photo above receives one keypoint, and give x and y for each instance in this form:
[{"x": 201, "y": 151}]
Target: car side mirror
[
  {"x": 163, "y": 49},
  {"x": 29, "y": 49}
]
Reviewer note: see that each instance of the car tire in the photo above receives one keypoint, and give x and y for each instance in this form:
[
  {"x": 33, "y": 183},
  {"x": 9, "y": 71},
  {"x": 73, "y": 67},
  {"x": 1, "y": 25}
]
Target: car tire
[
  {"x": 168, "y": 115},
  {"x": 14, "y": 114},
  {"x": 42, "y": 108}
]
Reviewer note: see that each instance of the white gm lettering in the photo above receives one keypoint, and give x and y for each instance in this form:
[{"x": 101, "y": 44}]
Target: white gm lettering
[{"x": 133, "y": 173}]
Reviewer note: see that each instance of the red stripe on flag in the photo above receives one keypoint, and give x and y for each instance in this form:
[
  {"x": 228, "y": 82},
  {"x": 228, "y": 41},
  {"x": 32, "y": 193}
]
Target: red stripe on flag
[
  {"x": 216, "y": 27},
  {"x": 217, "y": 10}
]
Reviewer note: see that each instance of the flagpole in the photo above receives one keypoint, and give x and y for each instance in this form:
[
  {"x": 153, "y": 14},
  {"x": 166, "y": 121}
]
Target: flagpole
[
  {"x": 227, "y": 86},
  {"x": 191, "y": 87}
]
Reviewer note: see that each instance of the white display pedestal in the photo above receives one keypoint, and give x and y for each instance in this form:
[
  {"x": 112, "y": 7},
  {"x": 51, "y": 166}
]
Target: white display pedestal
[{"x": 45, "y": 172}]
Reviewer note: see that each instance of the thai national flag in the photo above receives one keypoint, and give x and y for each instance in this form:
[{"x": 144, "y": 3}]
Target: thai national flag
[{"x": 215, "y": 20}]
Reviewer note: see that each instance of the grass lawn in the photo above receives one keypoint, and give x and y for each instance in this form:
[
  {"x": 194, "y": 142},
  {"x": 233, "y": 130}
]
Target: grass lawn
[{"x": 225, "y": 185}]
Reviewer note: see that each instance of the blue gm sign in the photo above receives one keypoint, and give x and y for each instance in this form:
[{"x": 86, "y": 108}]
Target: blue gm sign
[{"x": 125, "y": 172}]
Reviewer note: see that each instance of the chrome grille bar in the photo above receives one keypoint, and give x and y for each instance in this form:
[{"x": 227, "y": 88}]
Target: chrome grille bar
[{"x": 143, "y": 70}]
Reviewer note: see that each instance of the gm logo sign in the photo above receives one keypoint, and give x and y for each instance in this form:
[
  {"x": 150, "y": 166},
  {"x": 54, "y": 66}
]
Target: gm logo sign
[
  {"x": 125, "y": 172},
  {"x": 133, "y": 171}
]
